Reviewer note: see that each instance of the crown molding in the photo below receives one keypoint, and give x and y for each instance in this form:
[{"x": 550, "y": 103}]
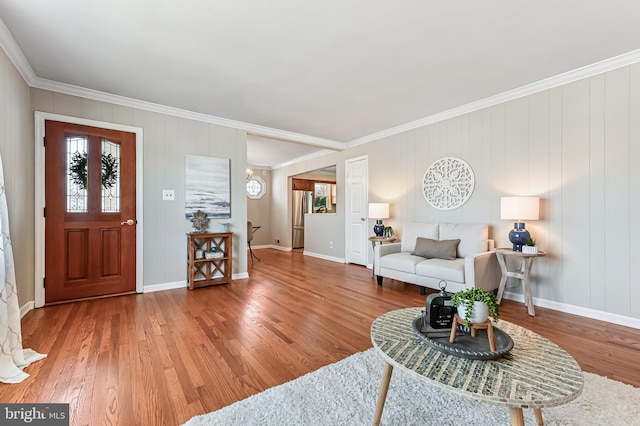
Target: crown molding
[
  {"x": 539, "y": 86},
  {"x": 68, "y": 89},
  {"x": 14, "y": 53},
  {"x": 305, "y": 158}
]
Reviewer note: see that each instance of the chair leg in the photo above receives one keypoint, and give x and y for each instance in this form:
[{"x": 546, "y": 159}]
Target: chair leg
[{"x": 251, "y": 252}]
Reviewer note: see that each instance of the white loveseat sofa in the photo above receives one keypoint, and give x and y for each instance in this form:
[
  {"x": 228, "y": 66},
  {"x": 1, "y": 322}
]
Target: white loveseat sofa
[{"x": 475, "y": 263}]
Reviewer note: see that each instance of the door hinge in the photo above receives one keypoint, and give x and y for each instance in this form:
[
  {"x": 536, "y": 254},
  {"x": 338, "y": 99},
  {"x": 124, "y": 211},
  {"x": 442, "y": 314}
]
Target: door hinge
[
  {"x": 44, "y": 141},
  {"x": 44, "y": 212},
  {"x": 44, "y": 283}
]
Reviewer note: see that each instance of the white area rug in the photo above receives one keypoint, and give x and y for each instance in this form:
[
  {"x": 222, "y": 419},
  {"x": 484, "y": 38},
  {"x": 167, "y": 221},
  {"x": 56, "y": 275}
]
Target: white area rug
[{"x": 345, "y": 393}]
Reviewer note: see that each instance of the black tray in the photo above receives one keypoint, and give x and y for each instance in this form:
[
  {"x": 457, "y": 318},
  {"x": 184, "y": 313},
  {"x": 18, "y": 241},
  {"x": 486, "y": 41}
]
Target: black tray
[{"x": 465, "y": 345}]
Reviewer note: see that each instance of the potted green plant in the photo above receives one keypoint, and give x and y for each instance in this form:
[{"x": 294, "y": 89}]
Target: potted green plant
[
  {"x": 388, "y": 232},
  {"x": 475, "y": 304},
  {"x": 529, "y": 246}
]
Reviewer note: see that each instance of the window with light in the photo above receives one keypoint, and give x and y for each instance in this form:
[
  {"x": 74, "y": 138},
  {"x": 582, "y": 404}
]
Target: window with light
[{"x": 256, "y": 187}]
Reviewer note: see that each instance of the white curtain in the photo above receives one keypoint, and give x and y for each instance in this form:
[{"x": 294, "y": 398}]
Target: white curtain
[{"x": 13, "y": 358}]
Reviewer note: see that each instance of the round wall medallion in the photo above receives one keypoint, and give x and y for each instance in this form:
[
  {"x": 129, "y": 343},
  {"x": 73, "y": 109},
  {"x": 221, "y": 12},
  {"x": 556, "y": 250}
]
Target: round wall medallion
[{"x": 448, "y": 183}]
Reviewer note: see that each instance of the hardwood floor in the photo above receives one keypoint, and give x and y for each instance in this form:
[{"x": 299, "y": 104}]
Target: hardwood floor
[{"x": 161, "y": 358}]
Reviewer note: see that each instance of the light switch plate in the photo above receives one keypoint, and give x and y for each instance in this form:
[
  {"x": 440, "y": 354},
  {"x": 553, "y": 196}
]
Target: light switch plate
[{"x": 168, "y": 195}]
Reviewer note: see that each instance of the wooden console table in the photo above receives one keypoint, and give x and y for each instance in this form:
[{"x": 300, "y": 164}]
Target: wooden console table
[
  {"x": 209, "y": 258},
  {"x": 523, "y": 274}
]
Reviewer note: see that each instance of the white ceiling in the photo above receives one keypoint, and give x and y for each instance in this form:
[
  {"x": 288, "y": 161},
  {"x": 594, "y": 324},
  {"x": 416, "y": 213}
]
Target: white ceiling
[{"x": 329, "y": 72}]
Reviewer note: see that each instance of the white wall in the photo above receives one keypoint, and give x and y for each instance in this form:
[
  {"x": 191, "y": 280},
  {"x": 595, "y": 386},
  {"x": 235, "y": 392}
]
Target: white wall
[
  {"x": 319, "y": 230},
  {"x": 281, "y": 222},
  {"x": 17, "y": 151},
  {"x": 259, "y": 211},
  {"x": 167, "y": 140},
  {"x": 575, "y": 146}
]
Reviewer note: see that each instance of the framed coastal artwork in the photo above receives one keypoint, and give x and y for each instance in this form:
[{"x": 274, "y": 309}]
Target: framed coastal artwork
[{"x": 208, "y": 186}]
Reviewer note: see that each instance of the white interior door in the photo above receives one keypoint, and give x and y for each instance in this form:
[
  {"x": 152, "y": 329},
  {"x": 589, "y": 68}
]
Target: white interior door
[{"x": 357, "y": 184}]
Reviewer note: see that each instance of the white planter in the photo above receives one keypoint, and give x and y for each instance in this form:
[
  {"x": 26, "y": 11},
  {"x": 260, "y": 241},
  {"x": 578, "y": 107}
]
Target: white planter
[
  {"x": 530, "y": 249},
  {"x": 480, "y": 311}
]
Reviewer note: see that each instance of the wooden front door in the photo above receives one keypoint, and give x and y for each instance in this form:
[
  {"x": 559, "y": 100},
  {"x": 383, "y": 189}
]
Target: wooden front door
[{"x": 90, "y": 213}]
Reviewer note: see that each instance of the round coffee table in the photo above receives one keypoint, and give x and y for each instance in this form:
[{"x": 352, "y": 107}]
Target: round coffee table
[{"x": 536, "y": 373}]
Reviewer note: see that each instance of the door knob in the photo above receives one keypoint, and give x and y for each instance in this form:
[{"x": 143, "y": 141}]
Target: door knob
[
  {"x": 128, "y": 222},
  {"x": 362, "y": 219}
]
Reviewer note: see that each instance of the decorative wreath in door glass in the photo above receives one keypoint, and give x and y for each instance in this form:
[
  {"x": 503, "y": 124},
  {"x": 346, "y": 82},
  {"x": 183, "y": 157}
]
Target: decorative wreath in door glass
[
  {"x": 78, "y": 170},
  {"x": 448, "y": 183}
]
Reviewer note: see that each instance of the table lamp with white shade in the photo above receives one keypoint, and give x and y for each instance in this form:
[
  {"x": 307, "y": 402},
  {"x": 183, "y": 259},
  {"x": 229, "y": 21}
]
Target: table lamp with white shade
[
  {"x": 519, "y": 209},
  {"x": 378, "y": 211}
]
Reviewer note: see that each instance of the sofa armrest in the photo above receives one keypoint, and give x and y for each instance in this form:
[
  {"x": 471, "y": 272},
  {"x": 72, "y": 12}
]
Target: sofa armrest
[
  {"x": 482, "y": 270},
  {"x": 382, "y": 250}
]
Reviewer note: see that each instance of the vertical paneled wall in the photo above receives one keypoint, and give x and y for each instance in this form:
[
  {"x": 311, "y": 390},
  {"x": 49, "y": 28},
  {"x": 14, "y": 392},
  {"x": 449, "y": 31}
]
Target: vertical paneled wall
[
  {"x": 17, "y": 151},
  {"x": 575, "y": 146},
  {"x": 167, "y": 140}
]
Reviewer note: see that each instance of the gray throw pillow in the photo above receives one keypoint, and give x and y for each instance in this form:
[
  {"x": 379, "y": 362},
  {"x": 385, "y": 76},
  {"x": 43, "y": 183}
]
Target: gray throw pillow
[{"x": 433, "y": 249}]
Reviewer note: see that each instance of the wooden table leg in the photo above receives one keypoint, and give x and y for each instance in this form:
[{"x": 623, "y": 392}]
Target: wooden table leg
[
  {"x": 517, "y": 417},
  {"x": 382, "y": 396},
  {"x": 373, "y": 261},
  {"x": 526, "y": 285},
  {"x": 538, "y": 413},
  {"x": 503, "y": 279},
  {"x": 492, "y": 340},
  {"x": 454, "y": 329}
]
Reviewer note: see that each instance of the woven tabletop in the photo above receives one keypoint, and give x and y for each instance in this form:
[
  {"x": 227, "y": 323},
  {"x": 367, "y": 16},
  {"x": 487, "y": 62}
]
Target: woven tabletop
[{"x": 536, "y": 373}]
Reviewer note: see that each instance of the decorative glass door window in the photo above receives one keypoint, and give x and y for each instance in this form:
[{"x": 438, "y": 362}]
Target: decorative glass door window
[
  {"x": 110, "y": 177},
  {"x": 77, "y": 169},
  {"x": 78, "y": 175}
]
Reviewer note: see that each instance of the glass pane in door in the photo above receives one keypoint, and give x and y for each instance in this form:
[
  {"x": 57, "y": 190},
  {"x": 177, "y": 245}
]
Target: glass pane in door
[
  {"x": 77, "y": 174},
  {"x": 110, "y": 177}
]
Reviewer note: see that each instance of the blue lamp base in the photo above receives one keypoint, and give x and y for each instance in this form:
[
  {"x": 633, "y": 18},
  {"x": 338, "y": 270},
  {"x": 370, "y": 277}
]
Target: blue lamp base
[
  {"x": 518, "y": 236},
  {"x": 378, "y": 228}
]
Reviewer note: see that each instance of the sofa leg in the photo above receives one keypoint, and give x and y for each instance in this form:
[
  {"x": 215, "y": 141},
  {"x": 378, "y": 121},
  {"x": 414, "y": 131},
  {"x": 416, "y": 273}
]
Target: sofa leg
[
  {"x": 423, "y": 291},
  {"x": 379, "y": 278}
]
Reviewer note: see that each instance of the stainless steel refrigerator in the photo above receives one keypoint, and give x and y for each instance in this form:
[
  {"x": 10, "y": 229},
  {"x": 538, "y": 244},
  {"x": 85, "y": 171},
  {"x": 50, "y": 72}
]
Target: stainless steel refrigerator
[{"x": 300, "y": 207}]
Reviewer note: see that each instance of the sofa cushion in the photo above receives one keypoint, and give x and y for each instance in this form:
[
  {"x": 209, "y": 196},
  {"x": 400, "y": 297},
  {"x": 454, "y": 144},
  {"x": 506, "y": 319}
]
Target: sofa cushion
[
  {"x": 443, "y": 249},
  {"x": 411, "y": 231},
  {"x": 448, "y": 270},
  {"x": 404, "y": 261},
  {"x": 473, "y": 237}
]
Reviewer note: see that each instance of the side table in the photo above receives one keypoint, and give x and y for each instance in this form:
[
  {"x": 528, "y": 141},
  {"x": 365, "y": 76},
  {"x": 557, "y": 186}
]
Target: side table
[
  {"x": 524, "y": 273},
  {"x": 378, "y": 240},
  {"x": 209, "y": 258}
]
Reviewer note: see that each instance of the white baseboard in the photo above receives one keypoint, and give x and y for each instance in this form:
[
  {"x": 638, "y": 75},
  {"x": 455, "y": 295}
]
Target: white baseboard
[
  {"x": 325, "y": 257},
  {"x": 281, "y": 248},
  {"x": 24, "y": 309},
  {"x": 164, "y": 286},
  {"x": 263, "y": 246},
  {"x": 578, "y": 310},
  {"x": 182, "y": 284}
]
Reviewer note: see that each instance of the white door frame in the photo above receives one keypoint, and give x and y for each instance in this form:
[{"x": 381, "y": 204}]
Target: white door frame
[
  {"x": 40, "y": 118},
  {"x": 347, "y": 213}
]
